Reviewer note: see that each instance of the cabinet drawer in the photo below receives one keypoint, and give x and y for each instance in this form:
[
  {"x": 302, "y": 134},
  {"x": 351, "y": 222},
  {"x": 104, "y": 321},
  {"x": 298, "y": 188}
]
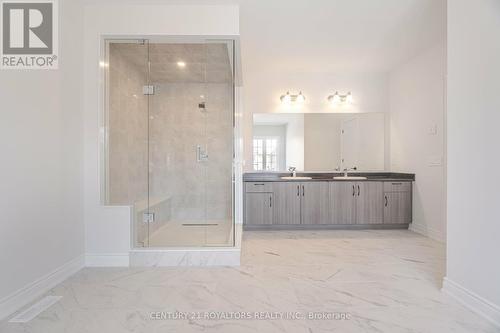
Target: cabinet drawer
[
  {"x": 256, "y": 187},
  {"x": 397, "y": 186}
]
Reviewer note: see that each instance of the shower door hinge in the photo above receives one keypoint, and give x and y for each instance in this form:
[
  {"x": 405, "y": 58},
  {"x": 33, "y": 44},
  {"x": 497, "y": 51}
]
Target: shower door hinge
[
  {"x": 148, "y": 90},
  {"x": 148, "y": 217}
]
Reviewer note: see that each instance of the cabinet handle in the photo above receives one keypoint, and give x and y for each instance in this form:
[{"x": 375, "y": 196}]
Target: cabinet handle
[
  {"x": 353, "y": 190},
  {"x": 359, "y": 191},
  {"x": 386, "y": 201},
  {"x": 270, "y": 201},
  {"x": 397, "y": 183},
  {"x": 303, "y": 191},
  {"x": 298, "y": 190},
  {"x": 259, "y": 184}
]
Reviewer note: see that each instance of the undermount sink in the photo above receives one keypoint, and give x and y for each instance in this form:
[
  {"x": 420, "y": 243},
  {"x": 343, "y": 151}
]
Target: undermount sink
[
  {"x": 349, "y": 178},
  {"x": 296, "y": 178}
]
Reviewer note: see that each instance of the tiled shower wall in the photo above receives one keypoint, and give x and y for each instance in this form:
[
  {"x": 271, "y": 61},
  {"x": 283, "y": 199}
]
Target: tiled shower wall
[
  {"x": 178, "y": 125},
  {"x": 193, "y": 190}
]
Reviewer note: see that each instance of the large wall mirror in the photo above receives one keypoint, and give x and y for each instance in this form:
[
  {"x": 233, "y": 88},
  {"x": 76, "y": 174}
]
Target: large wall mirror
[{"x": 318, "y": 141}]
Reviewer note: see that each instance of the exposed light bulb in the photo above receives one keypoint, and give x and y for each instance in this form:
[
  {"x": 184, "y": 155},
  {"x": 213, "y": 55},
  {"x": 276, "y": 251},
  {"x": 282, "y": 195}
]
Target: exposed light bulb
[
  {"x": 348, "y": 98},
  {"x": 336, "y": 98},
  {"x": 300, "y": 98},
  {"x": 286, "y": 98},
  {"x": 181, "y": 64}
]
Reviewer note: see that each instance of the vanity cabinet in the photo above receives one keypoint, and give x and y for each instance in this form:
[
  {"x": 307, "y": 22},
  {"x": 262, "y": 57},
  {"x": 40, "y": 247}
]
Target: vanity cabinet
[
  {"x": 301, "y": 203},
  {"x": 397, "y": 203},
  {"x": 343, "y": 203},
  {"x": 356, "y": 202},
  {"x": 258, "y": 208},
  {"x": 287, "y": 202},
  {"x": 315, "y": 203},
  {"x": 369, "y": 203}
]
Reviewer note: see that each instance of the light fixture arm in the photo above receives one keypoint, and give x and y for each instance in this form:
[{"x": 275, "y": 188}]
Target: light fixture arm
[
  {"x": 288, "y": 98},
  {"x": 342, "y": 98}
]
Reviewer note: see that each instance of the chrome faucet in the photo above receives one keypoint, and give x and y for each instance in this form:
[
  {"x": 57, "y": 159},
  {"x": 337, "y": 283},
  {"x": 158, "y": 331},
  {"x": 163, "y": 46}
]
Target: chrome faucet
[
  {"x": 292, "y": 170},
  {"x": 348, "y": 169}
]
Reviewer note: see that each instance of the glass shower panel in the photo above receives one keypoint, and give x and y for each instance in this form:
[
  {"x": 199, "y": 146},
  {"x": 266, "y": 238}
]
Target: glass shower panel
[
  {"x": 126, "y": 130},
  {"x": 219, "y": 84}
]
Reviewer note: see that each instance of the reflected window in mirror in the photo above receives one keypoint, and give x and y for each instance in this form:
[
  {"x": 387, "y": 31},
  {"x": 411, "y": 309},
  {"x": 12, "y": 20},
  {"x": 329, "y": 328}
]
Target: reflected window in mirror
[{"x": 266, "y": 152}]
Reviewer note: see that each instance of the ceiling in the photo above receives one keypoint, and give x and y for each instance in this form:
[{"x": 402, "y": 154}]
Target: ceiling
[
  {"x": 331, "y": 35},
  {"x": 203, "y": 62},
  {"x": 337, "y": 35}
]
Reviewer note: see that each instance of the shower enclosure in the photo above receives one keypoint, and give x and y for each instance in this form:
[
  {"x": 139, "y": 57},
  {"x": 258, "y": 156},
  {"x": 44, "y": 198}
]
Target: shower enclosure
[{"x": 169, "y": 140}]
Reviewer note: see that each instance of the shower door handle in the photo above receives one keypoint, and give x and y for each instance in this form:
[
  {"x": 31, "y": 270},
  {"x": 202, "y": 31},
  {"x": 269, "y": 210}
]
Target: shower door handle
[{"x": 201, "y": 155}]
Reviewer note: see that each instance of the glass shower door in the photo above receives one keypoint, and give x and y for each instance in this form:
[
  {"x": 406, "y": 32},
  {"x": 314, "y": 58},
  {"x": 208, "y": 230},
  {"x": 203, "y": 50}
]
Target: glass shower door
[
  {"x": 178, "y": 149},
  {"x": 190, "y": 144}
]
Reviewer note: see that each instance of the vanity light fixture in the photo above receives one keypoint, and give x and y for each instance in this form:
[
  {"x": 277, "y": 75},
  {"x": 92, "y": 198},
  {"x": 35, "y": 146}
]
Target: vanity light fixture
[
  {"x": 181, "y": 64},
  {"x": 338, "y": 98},
  {"x": 287, "y": 98}
]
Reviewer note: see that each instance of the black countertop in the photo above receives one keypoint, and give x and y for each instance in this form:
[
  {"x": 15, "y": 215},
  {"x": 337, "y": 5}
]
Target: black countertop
[{"x": 326, "y": 176}]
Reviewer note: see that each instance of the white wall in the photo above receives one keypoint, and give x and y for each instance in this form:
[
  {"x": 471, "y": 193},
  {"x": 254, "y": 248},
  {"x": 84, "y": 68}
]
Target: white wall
[
  {"x": 372, "y": 141},
  {"x": 473, "y": 118},
  {"x": 108, "y": 228},
  {"x": 41, "y": 173},
  {"x": 416, "y": 91}
]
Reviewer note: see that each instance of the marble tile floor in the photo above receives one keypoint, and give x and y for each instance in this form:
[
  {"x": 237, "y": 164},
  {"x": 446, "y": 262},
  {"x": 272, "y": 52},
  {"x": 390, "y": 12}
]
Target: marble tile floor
[{"x": 375, "y": 281}]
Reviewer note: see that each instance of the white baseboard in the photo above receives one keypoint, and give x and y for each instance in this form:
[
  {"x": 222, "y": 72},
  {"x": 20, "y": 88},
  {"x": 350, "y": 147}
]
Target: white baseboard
[
  {"x": 429, "y": 232},
  {"x": 32, "y": 291},
  {"x": 107, "y": 260},
  {"x": 472, "y": 301}
]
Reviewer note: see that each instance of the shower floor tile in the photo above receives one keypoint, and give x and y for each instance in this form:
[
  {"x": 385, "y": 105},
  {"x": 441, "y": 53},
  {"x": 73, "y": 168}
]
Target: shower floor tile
[{"x": 193, "y": 233}]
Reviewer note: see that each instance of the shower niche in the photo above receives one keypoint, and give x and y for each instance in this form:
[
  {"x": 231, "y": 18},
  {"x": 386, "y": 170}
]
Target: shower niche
[{"x": 169, "y": 140}]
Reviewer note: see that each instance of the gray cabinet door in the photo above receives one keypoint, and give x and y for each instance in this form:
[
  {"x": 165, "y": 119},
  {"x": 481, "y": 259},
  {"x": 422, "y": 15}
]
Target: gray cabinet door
[
  {"x": 286, "y": 203},
  {"x": 369, "y": 203},
  {"x": 343, "y": 202},
  {"x": 397, "y": 207},
  {"x": 258, "y": 208},
  {"x": 315, "y": 202}
]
